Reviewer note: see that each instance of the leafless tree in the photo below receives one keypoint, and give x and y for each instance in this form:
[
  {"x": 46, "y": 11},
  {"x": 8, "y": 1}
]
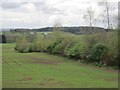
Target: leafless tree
[
  {"x": 106, "y": 6},
  {"x": 114, "y": 22},
  {"x": 89, "y": 15},
  {"x": 57, "y": 26}
]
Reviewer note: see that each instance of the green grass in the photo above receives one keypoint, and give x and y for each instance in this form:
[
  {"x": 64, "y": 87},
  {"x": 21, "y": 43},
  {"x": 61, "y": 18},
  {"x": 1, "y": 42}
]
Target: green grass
[{"x": 39, "y": 70}]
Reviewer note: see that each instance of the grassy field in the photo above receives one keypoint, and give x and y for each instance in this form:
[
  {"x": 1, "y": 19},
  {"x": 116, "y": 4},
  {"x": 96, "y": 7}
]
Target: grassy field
[{"x": 39, "y": 70}]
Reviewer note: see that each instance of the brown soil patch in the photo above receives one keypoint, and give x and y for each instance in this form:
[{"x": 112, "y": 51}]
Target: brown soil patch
[
  {"x": 22, "y": 83},
  {"x": 41, "y": 84},
  {"x": 51, "y": 83},
  {"x": 26, "y": 79},
  {"x": 44, "y": 61},
  {"x": 49, "y": 79},
  {"x": 112, "y": 79}
]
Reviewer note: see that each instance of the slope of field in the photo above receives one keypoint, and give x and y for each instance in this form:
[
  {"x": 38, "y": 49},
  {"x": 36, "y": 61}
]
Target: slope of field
[{"x": 39, "y": 70}]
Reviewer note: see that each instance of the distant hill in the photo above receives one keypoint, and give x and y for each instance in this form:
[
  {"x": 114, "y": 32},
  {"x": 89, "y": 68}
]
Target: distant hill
[{"x": 75, "y": 30}]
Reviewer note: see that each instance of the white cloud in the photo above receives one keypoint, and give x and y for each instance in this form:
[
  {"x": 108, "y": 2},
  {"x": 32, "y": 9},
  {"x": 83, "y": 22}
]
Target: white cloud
[
  {"x": 40, "y": 13},
  {"x": 28, "y": 7}
]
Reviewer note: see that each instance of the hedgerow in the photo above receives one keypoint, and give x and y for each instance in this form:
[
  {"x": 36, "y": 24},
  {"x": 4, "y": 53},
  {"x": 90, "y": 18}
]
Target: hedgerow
[{"x": 100, "y": 48}]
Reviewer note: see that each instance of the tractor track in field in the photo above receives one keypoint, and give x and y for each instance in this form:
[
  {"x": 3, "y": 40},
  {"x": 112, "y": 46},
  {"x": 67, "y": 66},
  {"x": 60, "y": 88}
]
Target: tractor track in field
[{"x": 15, "y": 61}]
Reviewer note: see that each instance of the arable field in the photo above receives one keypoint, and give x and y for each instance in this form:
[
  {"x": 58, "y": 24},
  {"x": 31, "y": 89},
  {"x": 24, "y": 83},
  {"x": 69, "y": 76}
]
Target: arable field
[{"x": 40, "y": 70}]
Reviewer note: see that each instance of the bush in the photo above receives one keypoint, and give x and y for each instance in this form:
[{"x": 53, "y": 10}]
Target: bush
[
  {"x": 22, "y": 45},
  {"x": 111, "y": 59},
  {"x": 40, "y": 44},
  {"x": 61, "y": 44},
  {"x": 90, "y": 40},
  {"x": 78, "y": 50},
  {"x": 73, "y": 52},
  {"x": 33, "y": 47},
  {"x": 57, "y": 48},
  {"x": 23, "y": 48},
  {"x": 30, "y": 37},
  {"x": 53, "y": 47},
  {"x": 97, "y": 53}
]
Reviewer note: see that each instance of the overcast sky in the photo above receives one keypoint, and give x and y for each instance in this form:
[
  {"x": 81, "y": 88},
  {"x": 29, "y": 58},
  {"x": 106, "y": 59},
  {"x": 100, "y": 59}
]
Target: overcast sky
[{"x": 43, "y": 13}]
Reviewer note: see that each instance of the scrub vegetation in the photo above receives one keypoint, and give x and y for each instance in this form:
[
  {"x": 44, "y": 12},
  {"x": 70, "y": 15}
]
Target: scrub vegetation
[{"x": 101, "y": 49}]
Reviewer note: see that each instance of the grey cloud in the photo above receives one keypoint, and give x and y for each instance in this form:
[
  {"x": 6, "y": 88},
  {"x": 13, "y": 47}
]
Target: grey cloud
[
  {"x": 52, "y": 10},
  {"x": 11, "y": 5},
  {"x": 42, "y": 6},
  {"x": 68, "y": 11}
]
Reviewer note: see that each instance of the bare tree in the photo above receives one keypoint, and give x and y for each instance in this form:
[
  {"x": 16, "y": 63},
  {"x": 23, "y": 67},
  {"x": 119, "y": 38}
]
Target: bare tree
[
  {"x": 57, "y": 26},
  {"x": 106, "y": 6},
  {"x": 90, "y": 14},
  {"x": 57, "y": 31},
  {"x": 114, "y": 22}
]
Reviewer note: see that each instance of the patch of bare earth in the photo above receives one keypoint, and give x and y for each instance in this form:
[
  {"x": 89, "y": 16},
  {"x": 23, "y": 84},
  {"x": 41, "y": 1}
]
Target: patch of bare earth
[
  {"x": 26, "y": 79},
  {"x": 44, "y": 61},
  {"x": 21, "y": 83},
  {"x": 112, "y": 79},
  {"x": 51, "y": 82},
  {"x": 49, "y": 79}
]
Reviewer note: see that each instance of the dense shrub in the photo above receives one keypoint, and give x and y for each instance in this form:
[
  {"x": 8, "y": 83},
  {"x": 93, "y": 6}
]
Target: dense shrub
[
  {"x": 60, "y": 42},
  {"x": 23, "y": 48},
  {"x": 73, "y": 52},
  {"x": 78, "y": 50},
  {"x": 97, "y": 53},
  {"x": 22, "y": 45},
  {"x": 90, "y": 40},
  {"x": 40, "y": 43},
  {"x": 31, "y": 37},
  {"x": 53, "y": 47},
  {"x": 111, "y": 58},
  {"x": 56, "y": 49},
  {"x": 32, "y": 47}
]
